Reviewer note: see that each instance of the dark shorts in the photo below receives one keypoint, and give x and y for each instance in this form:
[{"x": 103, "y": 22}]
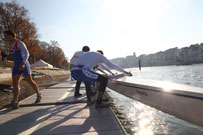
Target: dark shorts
[
  {"x": 83, "y": 74},
  {"x": 26, "y": 71}
]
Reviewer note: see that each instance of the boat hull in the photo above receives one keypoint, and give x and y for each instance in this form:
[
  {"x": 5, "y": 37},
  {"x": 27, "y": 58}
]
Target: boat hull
[{"x": 182, "y": 104}]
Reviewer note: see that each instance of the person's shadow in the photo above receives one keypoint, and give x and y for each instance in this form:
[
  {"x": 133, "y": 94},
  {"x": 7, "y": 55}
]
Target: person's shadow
[
  {"x": 29, "y": 118},
  {"x": 60, "y": 119},
  {"x": 93, "y": 120},
  {"x": 12, "y": 124}
]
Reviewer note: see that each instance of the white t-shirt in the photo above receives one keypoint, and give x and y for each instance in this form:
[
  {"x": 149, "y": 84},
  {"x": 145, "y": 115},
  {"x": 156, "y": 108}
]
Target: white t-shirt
[
  {"x": 76, "y": 56},
  {"x": 92, "y": 59}
]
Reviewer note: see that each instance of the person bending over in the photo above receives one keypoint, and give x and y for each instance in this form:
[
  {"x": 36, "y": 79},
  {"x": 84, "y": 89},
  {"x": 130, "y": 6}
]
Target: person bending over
[
  {"x": 83, "y": 71},
  {"x": 73, "y": 60}
]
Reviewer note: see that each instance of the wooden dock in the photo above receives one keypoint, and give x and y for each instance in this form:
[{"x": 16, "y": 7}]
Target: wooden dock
[{"x": 59, "y": 113}]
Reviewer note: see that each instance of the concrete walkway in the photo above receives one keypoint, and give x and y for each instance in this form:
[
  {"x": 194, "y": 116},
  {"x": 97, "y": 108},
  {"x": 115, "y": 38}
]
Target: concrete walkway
[{"x": 59, "y": 113}]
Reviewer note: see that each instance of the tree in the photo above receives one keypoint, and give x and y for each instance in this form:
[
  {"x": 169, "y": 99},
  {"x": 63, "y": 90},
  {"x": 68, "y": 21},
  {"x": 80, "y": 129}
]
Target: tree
[
  {"x": 53, "y": 54},
  {"x": 44, "y": 51},
  {"x": 14, "y": 17}
]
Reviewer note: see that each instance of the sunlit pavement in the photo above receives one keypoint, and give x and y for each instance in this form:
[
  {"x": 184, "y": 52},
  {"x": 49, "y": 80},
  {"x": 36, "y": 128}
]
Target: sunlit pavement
[{"x": 59, "y": 112}]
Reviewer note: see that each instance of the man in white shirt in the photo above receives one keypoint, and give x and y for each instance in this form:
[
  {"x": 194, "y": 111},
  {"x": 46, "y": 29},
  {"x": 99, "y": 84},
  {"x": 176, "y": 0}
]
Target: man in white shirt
[
  {"x": 73, "y": 60},
  {"x": 83, "y": 71},
  {"x": 101, "y": 68}
]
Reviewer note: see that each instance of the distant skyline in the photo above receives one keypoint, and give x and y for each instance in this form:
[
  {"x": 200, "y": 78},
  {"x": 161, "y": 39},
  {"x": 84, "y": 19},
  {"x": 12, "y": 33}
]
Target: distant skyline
[{"x": 118, "y": 27}]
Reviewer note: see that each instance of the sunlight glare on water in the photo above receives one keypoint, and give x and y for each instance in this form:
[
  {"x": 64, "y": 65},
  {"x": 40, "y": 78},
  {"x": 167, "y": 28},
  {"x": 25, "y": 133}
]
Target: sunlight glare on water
[{"x": 146, "y": 120}]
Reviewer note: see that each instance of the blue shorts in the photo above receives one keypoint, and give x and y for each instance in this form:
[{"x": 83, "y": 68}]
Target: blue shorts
[
  {"x": 26, "y": 71},
  {"x": 83, "y": 74}
]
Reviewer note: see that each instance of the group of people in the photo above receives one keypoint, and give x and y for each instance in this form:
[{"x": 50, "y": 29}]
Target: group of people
[
  {"x": 83, "y": 66},
  {"x": 83, "y": 70}
]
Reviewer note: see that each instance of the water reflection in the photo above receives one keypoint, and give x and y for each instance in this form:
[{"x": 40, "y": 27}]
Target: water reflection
[
  {"x": 144, "y": 119},
  {"x": 147, "y": 121},
  {"x": 145, "y": 124}
]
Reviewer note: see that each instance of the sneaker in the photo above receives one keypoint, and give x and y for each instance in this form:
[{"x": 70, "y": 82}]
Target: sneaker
[
  {"x": 78, "y": 95},
  {"x": 102, "y": 105},
  {"x": 15, "y": 105},
  {"x": 38, "y": 99},
  {"x": 12, "y": 103}
]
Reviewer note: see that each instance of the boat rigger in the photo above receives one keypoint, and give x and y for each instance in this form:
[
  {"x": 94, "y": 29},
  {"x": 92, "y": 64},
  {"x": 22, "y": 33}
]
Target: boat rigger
[{"x": 182, "y": 101}]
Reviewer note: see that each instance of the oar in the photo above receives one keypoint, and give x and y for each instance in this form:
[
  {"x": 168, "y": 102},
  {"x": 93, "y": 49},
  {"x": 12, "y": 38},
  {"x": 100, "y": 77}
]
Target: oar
[
  {"x": 118, "y": 76},
  {"x": 43, "y": 74}
]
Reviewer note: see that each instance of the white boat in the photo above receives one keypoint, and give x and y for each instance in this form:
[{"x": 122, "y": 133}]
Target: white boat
[{"x": 182, "y": 101}]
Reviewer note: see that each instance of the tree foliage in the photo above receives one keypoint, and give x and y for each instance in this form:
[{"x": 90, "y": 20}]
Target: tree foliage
[
  {"x": 15, "y": 17},
  {"x": 53, "y": 54}
]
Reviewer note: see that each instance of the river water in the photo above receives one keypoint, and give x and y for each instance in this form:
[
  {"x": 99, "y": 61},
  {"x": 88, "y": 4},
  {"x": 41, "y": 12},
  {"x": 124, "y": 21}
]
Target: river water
[{"x": 145, "y": 120}]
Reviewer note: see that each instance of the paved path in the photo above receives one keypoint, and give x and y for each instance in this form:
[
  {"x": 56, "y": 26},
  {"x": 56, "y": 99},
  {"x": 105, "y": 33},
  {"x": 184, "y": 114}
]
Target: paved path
[{"x": 51, "y": 117}]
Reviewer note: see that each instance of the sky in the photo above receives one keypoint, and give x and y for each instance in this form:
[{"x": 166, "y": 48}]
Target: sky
[{"x": 118, "y": 27}]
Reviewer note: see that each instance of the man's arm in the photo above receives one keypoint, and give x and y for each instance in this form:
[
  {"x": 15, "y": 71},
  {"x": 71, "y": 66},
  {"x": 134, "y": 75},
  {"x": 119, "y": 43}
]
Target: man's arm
[{"x": 24, "y": 51}]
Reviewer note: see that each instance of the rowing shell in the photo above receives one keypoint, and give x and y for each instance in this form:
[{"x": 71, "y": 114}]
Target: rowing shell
[{"x": 182, "y": 101}]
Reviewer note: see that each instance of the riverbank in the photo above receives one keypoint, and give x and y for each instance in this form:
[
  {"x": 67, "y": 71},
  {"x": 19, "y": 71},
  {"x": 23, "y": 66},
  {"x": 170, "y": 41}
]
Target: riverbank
[
  {"x": 6, "y": 77},
  {"x": 121, "y": 117}
]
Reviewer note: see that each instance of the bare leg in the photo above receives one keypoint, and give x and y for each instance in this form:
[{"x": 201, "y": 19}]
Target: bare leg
[
  {"x": 28, "y": 78},
  {"x": 16, "y": 90}
]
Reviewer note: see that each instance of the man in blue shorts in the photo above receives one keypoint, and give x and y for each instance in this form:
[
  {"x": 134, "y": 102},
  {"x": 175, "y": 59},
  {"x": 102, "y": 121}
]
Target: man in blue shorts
[
  {"x": 73, "y": 60},
  {"x": 21, "y": 66}
]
